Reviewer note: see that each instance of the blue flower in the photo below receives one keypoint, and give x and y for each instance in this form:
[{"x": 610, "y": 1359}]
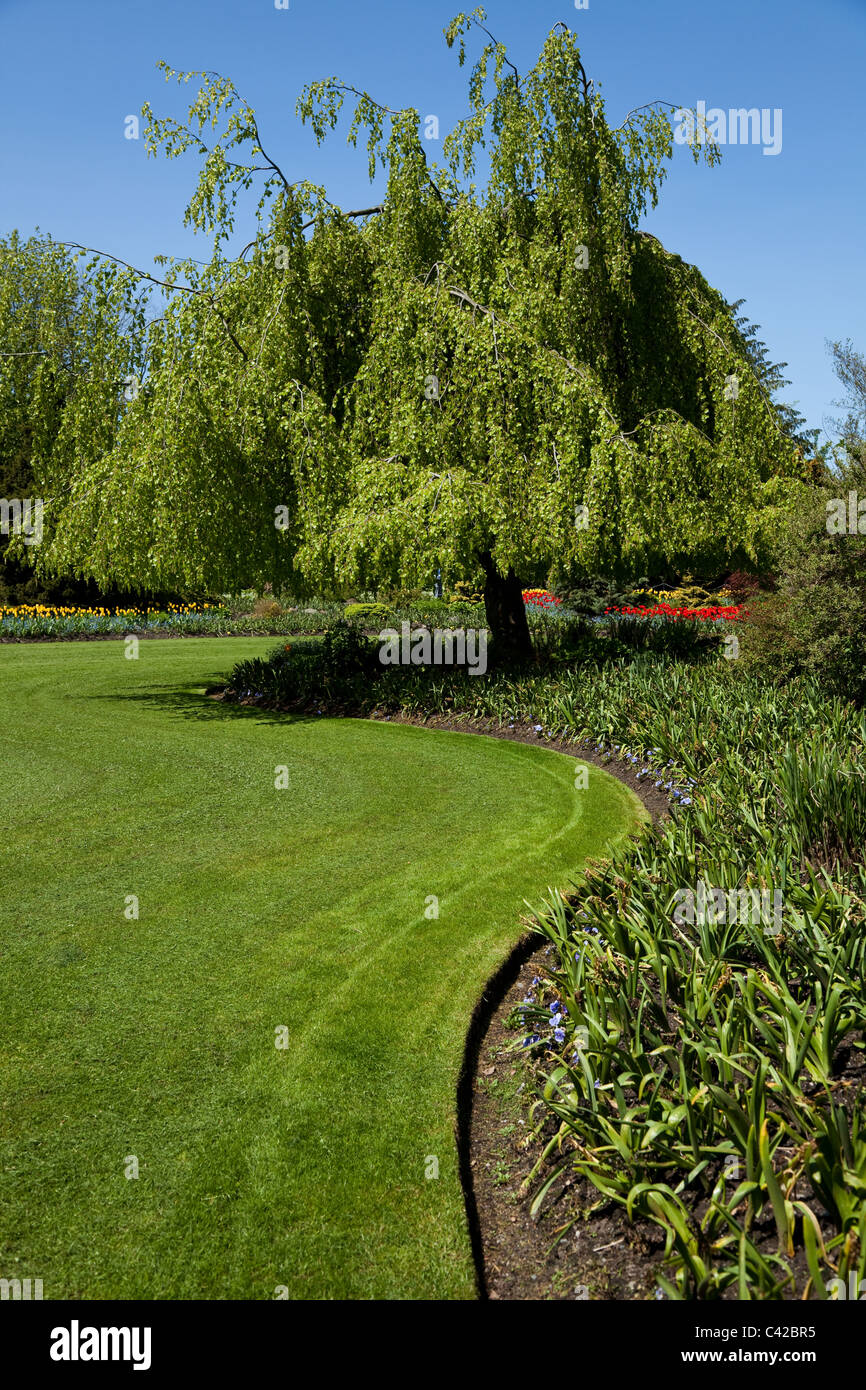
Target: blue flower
[
  {"x": 555, "y": 1007},
  {"x": 559, "y": 1034}
]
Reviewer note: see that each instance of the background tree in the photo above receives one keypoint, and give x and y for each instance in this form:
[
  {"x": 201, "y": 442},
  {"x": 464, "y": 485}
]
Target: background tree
[
  {"x": 850, "y": 367},
  {"x": 64, "y": 347},
  {"x": 492, "y": 382},
  {"x": 771, "y": 375}
]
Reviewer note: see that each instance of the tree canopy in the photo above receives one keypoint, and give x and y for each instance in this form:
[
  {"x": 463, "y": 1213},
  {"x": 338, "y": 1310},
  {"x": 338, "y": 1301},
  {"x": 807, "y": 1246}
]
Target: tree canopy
[{"x": 515, "y": 379}]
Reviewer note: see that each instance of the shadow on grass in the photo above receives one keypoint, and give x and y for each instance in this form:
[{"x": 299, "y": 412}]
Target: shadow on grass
[{"x": 193, "y": 704}]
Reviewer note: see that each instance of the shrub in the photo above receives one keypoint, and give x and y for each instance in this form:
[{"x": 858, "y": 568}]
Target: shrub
[
  {"x": 432, "y": 605},
  {"x": 266, "y": 608},
  {"x": 769, "y": 648},
  {"x": 466, "y": 593},
  {"x": 368, "y": 615},
  {"x": 687, "y": 596},
  {"x": 742, "y": 586},
  {"x": 593, "y": 596},
  {"x": 826, "y": 609},
  {"x": 339, "y": 669},
  {"x": 818, "y": 623}
]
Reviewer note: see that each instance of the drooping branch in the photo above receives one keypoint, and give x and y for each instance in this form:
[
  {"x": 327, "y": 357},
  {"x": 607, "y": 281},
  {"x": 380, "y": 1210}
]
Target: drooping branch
[
  {"x": 647, "y": 106},
  {"x": 586, "y": 81},
  {"x": 577, "y": 368},
  {"x": 208, "y": 295},
  {"x": 500, "y": 48},
  {"x": 388, "y": 111},
  {"x": 253, "y": 124}
]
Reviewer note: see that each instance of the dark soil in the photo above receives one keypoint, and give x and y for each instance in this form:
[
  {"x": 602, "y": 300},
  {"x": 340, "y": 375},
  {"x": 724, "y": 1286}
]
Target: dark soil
[{"x": 522, "y": 1257}]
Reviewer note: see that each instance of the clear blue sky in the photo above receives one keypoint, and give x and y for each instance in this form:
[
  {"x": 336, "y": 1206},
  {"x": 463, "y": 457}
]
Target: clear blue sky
[{"x": 785, "y": 232}]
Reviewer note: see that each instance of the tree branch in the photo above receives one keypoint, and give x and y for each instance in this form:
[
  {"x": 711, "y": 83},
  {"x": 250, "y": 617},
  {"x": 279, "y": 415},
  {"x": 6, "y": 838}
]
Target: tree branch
[
  {"x": 272, "y": 164},
  {"x": 165, "y": 284},
  {"x": 499, "y": 45}
]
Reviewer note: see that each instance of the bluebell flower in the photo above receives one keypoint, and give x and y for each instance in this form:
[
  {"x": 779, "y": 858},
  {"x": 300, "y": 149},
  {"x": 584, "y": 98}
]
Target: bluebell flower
[
  {"x": 555, "y": 1007},
  {"x": 559, "y": 1034}
]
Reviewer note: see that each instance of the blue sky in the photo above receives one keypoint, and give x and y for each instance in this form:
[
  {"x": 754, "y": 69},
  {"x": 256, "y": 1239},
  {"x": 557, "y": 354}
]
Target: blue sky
[{"x": 784, "y": 231}]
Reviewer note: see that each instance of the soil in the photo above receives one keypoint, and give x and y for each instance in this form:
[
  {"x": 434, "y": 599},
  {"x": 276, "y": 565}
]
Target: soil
[{"x": 521, "y": 1256}]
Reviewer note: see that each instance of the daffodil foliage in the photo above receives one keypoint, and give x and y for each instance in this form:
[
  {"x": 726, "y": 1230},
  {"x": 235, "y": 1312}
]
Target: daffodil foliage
[{"x": 512, "y": 378}]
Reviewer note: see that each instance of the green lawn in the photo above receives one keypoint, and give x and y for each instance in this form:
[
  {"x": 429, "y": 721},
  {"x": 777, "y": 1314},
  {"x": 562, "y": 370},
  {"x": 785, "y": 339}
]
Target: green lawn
[{"x": 259, "y": 908}]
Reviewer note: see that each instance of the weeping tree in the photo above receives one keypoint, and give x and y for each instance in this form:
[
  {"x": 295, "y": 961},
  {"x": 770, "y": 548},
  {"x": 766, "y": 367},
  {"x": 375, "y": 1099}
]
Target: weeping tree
[
  {"x": 57, "y": 331},
  {"x": 503, "y": 383}
]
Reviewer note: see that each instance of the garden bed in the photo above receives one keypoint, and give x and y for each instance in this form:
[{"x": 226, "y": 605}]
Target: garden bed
[{"x": 714, "y": 1098}]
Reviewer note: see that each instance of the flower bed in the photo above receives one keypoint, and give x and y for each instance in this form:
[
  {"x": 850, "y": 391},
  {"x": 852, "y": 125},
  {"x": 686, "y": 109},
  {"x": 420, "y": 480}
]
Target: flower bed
[
  {"x": 712, "y": 612},
  {"x": 540, "y": 598}
]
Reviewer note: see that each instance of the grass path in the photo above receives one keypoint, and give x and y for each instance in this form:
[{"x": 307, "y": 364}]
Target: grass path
[{"x": 259, "y": 908}]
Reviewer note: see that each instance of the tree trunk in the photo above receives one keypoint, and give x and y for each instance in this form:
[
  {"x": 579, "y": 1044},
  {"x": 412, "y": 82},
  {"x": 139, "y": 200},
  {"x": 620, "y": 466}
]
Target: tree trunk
[{"x": 506, "y": 614}]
